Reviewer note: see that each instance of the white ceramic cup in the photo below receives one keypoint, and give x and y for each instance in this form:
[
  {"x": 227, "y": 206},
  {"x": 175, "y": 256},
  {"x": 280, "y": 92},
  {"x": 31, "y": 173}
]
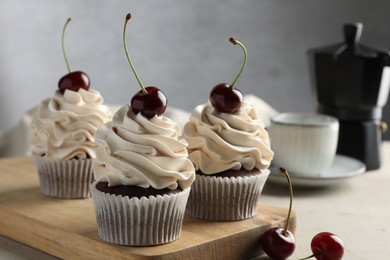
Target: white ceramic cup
[{"x": 304, "y": 143}]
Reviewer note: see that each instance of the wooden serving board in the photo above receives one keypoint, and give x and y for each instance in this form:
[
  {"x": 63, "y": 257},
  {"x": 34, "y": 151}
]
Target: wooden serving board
[{"x": 67, "y": 228}]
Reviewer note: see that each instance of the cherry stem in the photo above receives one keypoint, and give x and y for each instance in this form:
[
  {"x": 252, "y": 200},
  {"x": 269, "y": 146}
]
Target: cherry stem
[
  {"x": 282, "y": 169},
  {"x": 311, "y": 256},
  {"x": 63, "y": 45},
  {"x": 128, "y": 16},
  {"x": 235, "y": 42}
]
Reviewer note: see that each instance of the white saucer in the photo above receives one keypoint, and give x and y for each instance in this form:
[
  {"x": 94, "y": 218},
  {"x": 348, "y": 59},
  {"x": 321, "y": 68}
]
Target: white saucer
[{"x": 343, "y": 167}]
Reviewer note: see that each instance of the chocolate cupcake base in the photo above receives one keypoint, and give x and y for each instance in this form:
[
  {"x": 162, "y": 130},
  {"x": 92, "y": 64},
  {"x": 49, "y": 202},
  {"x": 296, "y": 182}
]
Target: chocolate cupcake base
[
  {"x": 226, "y": 198},
  {"x": 144, "y": 221},
  {"x": 67, "y": 179}
]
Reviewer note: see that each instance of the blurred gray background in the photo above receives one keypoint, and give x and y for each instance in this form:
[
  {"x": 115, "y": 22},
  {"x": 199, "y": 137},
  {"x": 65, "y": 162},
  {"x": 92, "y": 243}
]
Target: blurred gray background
[{"x": 180, "y": 46}]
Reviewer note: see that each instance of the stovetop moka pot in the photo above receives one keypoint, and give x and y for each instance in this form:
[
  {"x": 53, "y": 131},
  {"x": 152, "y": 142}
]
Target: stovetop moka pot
[{"x": 352, "y": 83}]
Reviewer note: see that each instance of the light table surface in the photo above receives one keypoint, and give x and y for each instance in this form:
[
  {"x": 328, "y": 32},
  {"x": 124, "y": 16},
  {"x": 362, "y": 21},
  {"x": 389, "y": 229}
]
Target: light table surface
[{"x": 356, "y": 209}]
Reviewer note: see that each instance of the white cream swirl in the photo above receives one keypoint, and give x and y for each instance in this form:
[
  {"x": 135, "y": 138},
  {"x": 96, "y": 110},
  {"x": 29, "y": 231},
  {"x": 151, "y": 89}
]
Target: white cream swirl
[
  {"x": 221, "y": 141},
  {"x": 134, "y": 150},
  {"x": 63, "y": 126}
]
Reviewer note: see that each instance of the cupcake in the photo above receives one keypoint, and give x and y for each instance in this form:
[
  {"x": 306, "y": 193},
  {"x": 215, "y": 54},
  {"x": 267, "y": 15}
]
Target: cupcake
[
  {"x": 61, "y": 135},
  {"x": 231, "y": 154},
  {"x": 143, "y": 179},
  {"x": 63, "y": 144},
  {"x": 142, "y": 172},
  {"x": 230, "y": 150}
]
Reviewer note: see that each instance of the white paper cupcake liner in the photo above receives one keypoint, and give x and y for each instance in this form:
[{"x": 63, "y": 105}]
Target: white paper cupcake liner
[
  {"x": 225, "y": 199},
  {"x": 139, "y": 222},
  {"x": 67, "y": 179}
]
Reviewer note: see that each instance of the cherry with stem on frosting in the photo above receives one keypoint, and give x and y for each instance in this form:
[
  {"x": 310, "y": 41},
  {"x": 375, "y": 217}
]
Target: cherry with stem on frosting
[
  {"x": 326, "y": 246},
  {"x": 226, "y": 98},
  {"x": 279, "y": 243},
  {"x": 74, "y": 80},
  {"x": 150, "y": 101}
]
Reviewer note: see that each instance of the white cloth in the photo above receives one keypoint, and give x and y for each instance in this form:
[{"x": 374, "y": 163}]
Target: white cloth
[{"x": 15, "y": 142}]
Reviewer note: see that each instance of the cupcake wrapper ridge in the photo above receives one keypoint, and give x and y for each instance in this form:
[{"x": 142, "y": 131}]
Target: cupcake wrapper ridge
[
  {"x": 139, "y": 222},
  {"x": 225, "y": 199},
  {"x": 67, "y": 179}
]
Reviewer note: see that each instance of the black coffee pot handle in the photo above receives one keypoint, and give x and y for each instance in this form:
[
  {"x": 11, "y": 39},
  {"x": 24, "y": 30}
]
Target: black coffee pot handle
[{"x": 352, "y": 33}]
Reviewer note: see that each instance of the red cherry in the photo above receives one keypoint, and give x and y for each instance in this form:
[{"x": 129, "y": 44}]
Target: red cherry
[
  {"x": 150, "y": 101},
  {"x": 327, "y": 246},
  {"x": 278, "y": 243},
  {"x": 149, "y": 104},
  {"x": 74, "y": 81},
  {"x": 226, "y": 99}
]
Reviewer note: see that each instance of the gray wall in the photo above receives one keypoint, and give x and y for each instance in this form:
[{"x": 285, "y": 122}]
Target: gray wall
[{"x": 180, "y": 46}]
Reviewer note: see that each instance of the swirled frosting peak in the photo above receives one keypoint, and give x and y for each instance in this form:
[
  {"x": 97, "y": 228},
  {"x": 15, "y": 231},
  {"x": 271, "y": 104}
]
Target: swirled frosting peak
[
  {"x": 63, "y": 126},
  {"x": 134, "y": 150},
  {"x": 221, "y": 141}
]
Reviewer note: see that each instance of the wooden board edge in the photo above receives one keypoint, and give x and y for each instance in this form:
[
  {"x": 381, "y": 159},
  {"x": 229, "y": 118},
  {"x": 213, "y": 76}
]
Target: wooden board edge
[
  {"x": 92, "y": 249},
  {"x": 60, "y": 247}
]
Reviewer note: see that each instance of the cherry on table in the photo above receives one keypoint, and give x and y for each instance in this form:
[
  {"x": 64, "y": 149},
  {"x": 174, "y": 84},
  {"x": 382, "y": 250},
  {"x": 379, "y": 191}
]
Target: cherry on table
[
  {"x": 149, "y": 101},
  {"x": 279, "y": 243},
  {"x": 73, "y": 80},
  {"x": 327, "y": 246}
]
